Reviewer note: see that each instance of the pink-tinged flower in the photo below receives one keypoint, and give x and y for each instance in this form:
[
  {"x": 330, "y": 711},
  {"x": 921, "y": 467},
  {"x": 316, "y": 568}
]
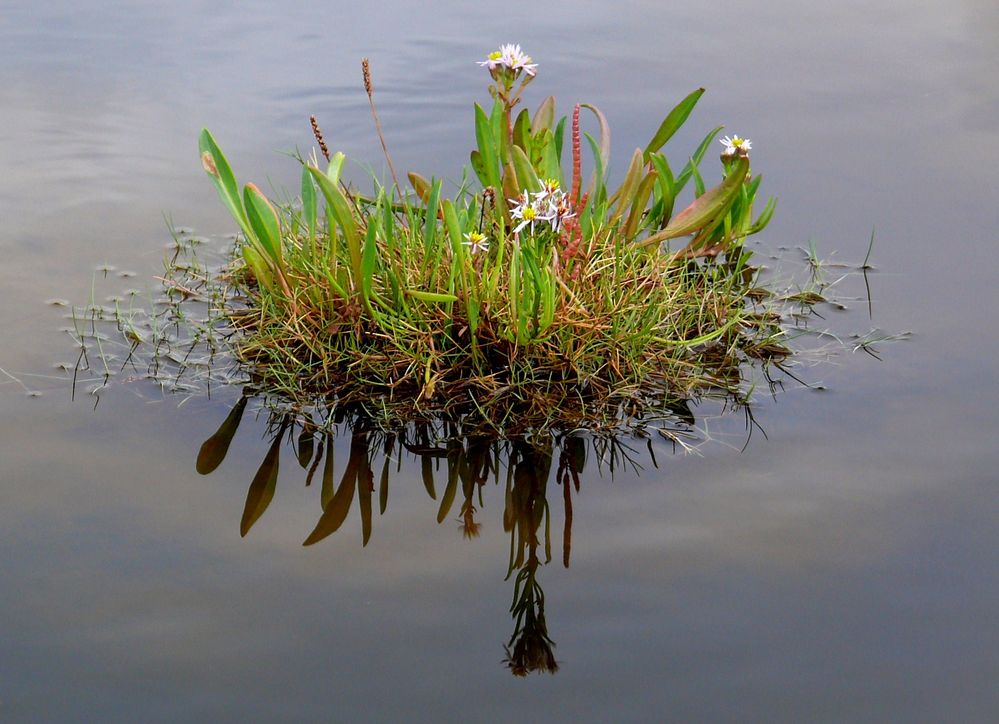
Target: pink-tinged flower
[{"x": 735, "y": 145}]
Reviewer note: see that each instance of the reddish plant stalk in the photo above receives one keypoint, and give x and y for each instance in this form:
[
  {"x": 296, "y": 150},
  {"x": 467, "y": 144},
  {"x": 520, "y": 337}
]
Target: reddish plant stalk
[{"x": 576, "y": 171}]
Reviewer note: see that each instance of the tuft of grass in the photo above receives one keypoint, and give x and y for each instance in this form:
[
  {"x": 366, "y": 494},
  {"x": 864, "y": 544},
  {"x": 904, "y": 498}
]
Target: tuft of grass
[
  {"x": 520, "y": 296},
  {"x": 526, "y": 299}
]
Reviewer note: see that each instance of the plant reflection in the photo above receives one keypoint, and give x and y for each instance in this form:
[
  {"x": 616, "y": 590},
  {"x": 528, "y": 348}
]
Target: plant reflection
[{"x": 522, "y": 464}]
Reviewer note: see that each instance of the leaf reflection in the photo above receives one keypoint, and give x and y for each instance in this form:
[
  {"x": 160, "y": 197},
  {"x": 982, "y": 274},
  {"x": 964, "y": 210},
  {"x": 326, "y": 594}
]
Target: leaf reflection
[{"x": 463, "y": 463}]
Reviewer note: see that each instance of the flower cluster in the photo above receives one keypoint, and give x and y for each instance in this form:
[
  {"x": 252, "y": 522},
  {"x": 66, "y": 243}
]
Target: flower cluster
[
  {"x": 735, "y": 145},
  {"x": 550, "y": 205},
  {"x": 510, "y": 58}
]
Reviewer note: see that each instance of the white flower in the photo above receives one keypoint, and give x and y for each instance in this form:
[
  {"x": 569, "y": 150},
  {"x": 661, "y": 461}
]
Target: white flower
[
  {"x": 493, "y": 60},
  {"x": 516, "y": 59},
  {"x": 530, "y": 212},
  {"x": 511, "y": 57},
  {"x": 476, "y": 242},
  {"x": 735, "y": 145}
]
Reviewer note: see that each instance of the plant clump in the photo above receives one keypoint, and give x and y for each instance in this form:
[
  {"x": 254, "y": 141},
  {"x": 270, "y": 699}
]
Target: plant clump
[{"x": 526, "y": 291}]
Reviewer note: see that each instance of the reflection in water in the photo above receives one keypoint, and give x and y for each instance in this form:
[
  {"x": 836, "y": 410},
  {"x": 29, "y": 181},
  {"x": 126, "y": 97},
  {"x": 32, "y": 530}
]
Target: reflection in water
[{"x": 468, "y": 461}]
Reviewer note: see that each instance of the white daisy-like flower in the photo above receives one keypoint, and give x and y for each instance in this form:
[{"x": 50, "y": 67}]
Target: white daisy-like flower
[
  {"x": 735, "y": 145},
  {"x": 493, "y": 60},
  {"x": 560, "y": 208},
  {"x": 517, "y": 59},
  {"x": 529, "y": 212},
  {"x": 476, "y": 242},
  {"x": 509, "y": 56}
]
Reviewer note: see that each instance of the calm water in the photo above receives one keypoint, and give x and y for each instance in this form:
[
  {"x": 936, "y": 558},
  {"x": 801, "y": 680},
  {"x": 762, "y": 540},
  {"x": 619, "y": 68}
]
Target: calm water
[{"x": 845, "y": 569}]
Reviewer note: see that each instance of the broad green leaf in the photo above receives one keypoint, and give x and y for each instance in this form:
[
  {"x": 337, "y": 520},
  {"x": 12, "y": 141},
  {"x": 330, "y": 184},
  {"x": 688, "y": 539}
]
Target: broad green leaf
[
  {"x": 420, "y": 185},
  {"x": 217, "y": 167},
  {"x": 264, "y": 221},
  {"x": 544, "y": 117},
  {"x": 479, "y": 166},
  {"x": 511, "y": 184},
  {"x": 625, "y": 194},
  {"x": 672, "y": 122},
  {"x": 339, "y": 207},
  {"x": 641, "y": 198},
  {"x": 259, "y": 267},
  {"x": 453, "y": 227},
  {"x": 667, "y": 188},
  {"x": 488, "y": 151},
  {"x": 214, "y": 449},
  {"x": 526, "y": 176},
  {"x": 707, "y": 209},
  {"x": 522, "y": 130}
]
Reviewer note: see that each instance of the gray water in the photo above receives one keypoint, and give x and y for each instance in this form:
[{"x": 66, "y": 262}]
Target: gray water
[{"x": 844, "y": 569}]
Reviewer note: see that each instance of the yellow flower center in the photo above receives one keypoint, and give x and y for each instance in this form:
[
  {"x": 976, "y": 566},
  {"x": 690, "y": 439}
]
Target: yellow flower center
[
  {"x": 529, "y": 213},
  {"x": 495, "y": 55}
]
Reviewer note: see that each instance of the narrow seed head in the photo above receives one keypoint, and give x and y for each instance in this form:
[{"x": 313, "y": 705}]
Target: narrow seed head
[
  {"x": 367, "y": 75},
  {"x": 319, "y": 137}
]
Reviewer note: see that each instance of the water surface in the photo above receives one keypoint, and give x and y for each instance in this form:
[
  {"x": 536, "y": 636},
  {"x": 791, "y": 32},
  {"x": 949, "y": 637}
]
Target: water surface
[{"x": 843, "y": 569}]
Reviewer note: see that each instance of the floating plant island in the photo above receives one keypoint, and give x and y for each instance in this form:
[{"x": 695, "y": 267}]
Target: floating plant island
[{"x": 527, "y": 298}]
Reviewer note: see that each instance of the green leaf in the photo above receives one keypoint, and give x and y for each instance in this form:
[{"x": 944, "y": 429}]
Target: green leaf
[
  {"x": 430, "y": 218},
  {"x": 544, "y": 117},
  {"x": 368, "y": 258},
  {"x": 672, "y": 122},
  {"x": 667, "y": 188},
  {"x": 431, "y": 296},
  {"x": 260, "y": 269},
  {"x": 632, "y": 178},
  {"x": 420, "y": 185},
  {"x": 526, "y": 175},
  {"x": 641, "y": 198},
  {"x": 340, "y": 209},
  {"x": 488, "y": 151},
  {"x": 605, "y": 139},
  {"x": 684, "y": 176},
  {"x": 479, "y": 166},
  {"x": 707, "y": 209},
  {"x": 768, "y": 211},
  {"x": 217, "y": 167},
  {"x": 309, "y": 204},
  {"x": 522, "y": 130},
  {"x": 264, "y": 221}
]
